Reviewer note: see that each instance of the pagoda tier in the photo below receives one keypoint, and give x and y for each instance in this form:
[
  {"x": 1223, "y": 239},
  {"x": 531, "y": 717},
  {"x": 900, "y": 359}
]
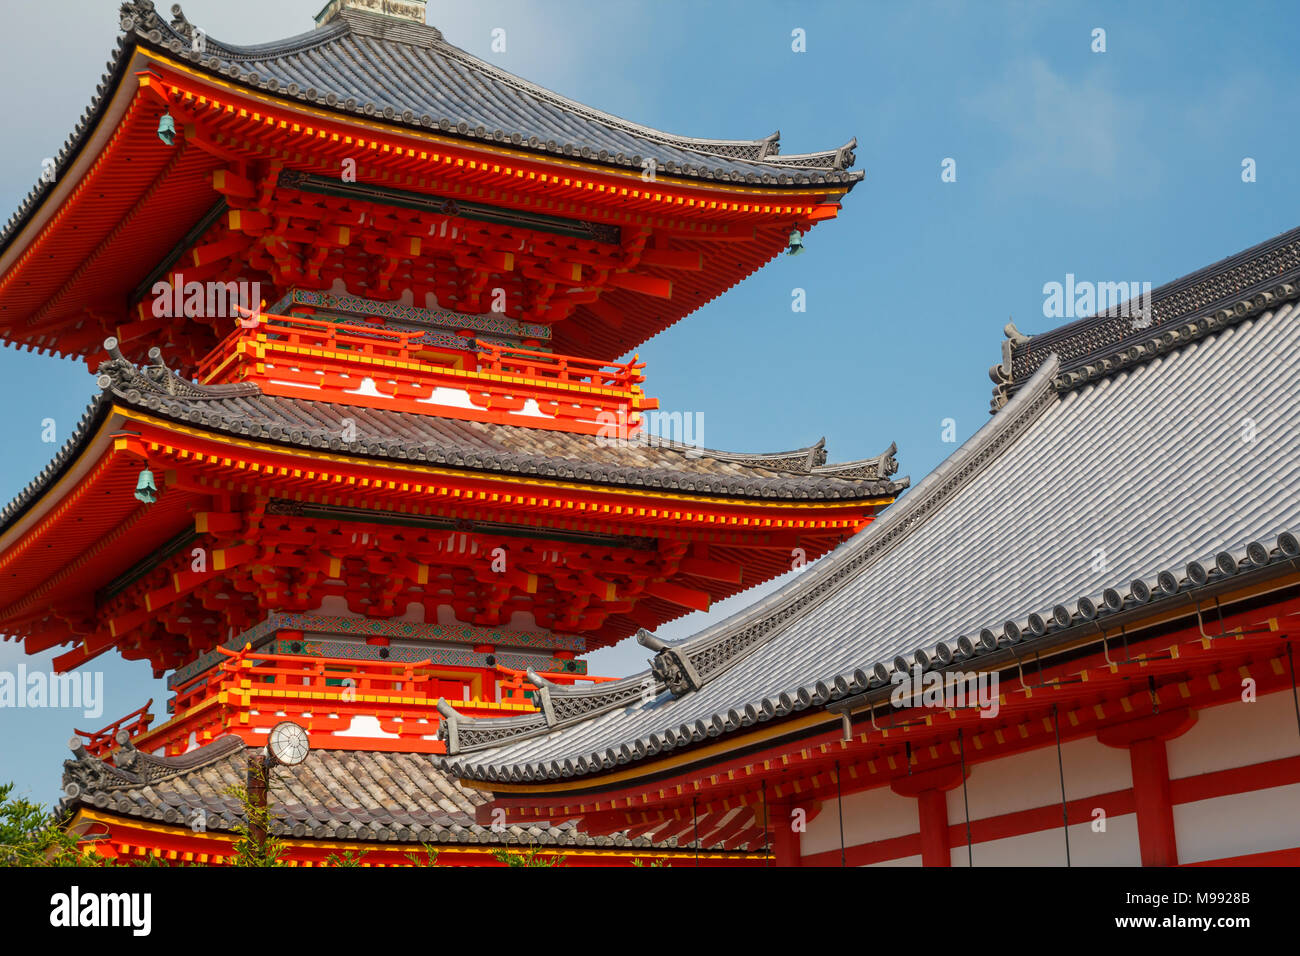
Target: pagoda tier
[
  {"x": 269, "y": 503},
  {"x": 502, "y": 198}
]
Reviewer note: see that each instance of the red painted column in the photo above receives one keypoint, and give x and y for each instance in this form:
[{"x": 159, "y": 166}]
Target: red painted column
[
  {"x": 929, "y": 788},
  {"x": 932, "y": 806},
  {"x": 786, "y": 850},
  {"x": 1155, "y": 811},
  {"x": 1144, "y": 739}
]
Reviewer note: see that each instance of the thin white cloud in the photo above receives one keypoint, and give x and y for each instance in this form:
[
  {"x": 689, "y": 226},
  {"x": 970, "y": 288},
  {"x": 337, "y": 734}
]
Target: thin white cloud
[{"x": 1057, "y": 132}]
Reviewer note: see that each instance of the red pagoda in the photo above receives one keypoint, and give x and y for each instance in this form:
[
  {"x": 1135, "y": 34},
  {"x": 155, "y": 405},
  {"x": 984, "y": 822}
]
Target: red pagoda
[{"x": 366, "y": 438}]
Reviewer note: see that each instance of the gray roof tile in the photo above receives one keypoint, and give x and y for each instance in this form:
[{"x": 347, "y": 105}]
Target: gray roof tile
[
  {"x": 332, "y": 793},
  {"x": 358, "y": 64}
]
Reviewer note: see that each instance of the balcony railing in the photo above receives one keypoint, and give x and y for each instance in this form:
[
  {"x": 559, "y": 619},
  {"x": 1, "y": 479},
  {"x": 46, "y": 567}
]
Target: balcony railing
[
  {"x": 332, "y": 361},
  {"x": 251, "y": 689}
]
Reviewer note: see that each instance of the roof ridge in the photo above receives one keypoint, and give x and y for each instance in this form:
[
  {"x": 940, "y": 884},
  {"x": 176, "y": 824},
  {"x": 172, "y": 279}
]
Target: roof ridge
[
  {"x": 182, "y": 30},
  {"x": 124, "y": 377},
  {"x": 142, "y": 19},
  {"x": 808, "y": 460},
  {"x": 1183, "y": 310},
  {"x": 879, "y": 466},
  {"x": 133, "y": 768}
]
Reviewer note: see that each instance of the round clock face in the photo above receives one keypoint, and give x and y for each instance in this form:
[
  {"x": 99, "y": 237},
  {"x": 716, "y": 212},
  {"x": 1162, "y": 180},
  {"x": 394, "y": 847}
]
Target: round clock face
[{"x": 288, "y": 743}]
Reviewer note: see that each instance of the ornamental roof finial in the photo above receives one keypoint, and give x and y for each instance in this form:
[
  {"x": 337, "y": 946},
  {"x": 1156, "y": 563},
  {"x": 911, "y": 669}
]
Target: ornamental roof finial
[{"x": 410, "y": 10}]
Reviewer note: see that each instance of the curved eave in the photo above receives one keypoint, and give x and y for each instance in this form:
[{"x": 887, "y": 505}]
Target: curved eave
[
  {"x": 78, "y": 246},
  {"x": 812, "y": 708},
  {"x": 248, "y": 416},
  {"x": 67, "y": 265},
  {"x": 66, "y": 459},
  {"x": 107, "y": 104},
  {"x": 73, "y": 460},
  {"x": 71, "y": 535},
  {"x": 204, "y": 417}
]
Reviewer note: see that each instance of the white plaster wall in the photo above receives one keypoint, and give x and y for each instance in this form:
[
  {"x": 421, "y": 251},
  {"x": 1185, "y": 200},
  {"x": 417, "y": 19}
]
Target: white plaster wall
[
  {"x": 1238, "y": 824},
  {"x": 1230, "y": 735},
  {"x": 1118, "y": 846},
  {"x": 1236, "y": 735},
  {"x": 1027, "y": 780},
  {"x": 1019, "y": 782},
  {"x": 869, "y": 816},
  {"x": 903, "y": 861}
]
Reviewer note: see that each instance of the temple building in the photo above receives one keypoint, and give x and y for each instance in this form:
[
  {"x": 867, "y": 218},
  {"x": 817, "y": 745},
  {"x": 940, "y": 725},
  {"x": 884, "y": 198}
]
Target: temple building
[
  {"x": 368, "y": 436},
  {"x": 1070, "y": 644}
]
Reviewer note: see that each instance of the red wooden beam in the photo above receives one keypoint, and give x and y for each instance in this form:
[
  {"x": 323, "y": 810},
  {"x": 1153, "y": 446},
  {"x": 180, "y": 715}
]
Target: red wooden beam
[
  {"x": 679, "y": 595},
  {"x": 713, "y": 570},
  {"x": 744, "y": 817},
  {"x": 669, "y": 259},
  {"x": 645, "y": 285}
]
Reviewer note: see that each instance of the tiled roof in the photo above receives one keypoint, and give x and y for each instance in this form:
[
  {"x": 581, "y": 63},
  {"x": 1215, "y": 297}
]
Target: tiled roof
[
  {"x": 243, "y": 410},
  {"x": 332, "y": 795},
  {"x": 407, "y": 73},
  {"x": 1164, "y": 481}
]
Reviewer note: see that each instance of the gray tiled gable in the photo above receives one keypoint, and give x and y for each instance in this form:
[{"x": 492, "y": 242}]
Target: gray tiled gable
[{"x": 1149, "y": 466}]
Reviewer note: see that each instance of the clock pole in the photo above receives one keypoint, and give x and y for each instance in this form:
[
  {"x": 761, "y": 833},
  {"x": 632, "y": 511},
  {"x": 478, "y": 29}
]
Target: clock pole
[{"x": 286, "y": 744}]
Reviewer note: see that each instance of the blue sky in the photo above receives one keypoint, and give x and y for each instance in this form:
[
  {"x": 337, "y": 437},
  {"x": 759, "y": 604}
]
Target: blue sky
[{"x": 1117, "y": 166}]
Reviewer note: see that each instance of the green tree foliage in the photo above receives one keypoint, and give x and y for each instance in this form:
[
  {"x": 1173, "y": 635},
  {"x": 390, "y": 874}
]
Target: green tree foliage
[
  {"x": 529, "y": 857},
  {"x": 32, "y": 836},
  {"x": 346, "y": 858},
  {"x": 430, "y": 856}
]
